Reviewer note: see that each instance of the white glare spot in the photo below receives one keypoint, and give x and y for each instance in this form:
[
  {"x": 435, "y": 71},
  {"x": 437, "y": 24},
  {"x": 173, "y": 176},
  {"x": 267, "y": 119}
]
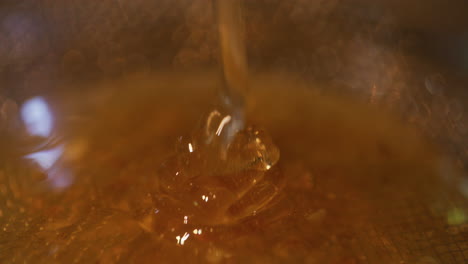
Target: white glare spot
[
  {"x": 268, "y": 166},
  {"x": 185, "y": 220},
  {"x": 210, "y": 118},
  {"x": 181, "y": 240},
  {"x": 197, "y": 231},
  {"x": 205, "y": 198},
  {"x": 46, "y": 158},
  {"x": 57, "y": 176},
  {"x": 190, "y": 147},
  {"x": 37, "y": 117},
  {"x": 225, "y": 120}
]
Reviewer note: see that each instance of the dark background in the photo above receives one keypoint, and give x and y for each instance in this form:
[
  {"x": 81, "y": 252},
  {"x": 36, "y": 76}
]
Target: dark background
[{"x": 408, "y": 56}]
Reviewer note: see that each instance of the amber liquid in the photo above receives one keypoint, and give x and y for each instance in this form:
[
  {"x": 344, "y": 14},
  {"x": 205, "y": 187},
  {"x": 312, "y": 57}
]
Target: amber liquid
[{"x": 312, "y": 178}]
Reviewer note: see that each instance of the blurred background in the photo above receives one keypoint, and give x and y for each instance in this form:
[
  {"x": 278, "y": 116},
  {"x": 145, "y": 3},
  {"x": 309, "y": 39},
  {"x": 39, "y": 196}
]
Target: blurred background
[{"x": 408, "y": 56}]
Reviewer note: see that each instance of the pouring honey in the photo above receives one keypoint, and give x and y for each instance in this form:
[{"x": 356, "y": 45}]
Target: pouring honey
[{"x": 273, "y": 172}]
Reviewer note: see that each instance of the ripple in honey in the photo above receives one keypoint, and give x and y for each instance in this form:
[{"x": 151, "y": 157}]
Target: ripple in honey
[{"x": 353, "y": 183}]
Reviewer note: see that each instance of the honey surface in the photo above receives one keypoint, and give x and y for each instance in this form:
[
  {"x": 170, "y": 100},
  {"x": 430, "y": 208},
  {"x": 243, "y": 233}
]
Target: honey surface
[{"x": 143, "y": 175}]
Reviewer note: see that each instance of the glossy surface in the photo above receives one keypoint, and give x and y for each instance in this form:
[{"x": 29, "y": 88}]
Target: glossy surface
[
  {"x": 352, "y": 185},
  {"x": 82, "y": 181}
]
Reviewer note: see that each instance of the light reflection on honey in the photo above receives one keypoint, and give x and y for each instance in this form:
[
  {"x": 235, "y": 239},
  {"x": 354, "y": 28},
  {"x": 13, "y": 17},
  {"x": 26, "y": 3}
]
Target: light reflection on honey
[{"x": 352, "y": 184}]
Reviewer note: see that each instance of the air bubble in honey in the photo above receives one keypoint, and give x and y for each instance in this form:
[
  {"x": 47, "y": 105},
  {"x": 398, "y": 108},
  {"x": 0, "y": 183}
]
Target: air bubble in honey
[{"x": 218, "y": 182}]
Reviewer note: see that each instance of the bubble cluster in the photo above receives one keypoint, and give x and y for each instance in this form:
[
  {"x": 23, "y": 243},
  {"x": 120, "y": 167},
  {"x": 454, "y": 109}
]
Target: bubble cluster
[{"x": 218, "y": 182}]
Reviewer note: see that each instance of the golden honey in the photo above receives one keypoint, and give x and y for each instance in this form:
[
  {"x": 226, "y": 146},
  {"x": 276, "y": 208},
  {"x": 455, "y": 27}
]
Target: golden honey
[{"x": 143, "y": 174}]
